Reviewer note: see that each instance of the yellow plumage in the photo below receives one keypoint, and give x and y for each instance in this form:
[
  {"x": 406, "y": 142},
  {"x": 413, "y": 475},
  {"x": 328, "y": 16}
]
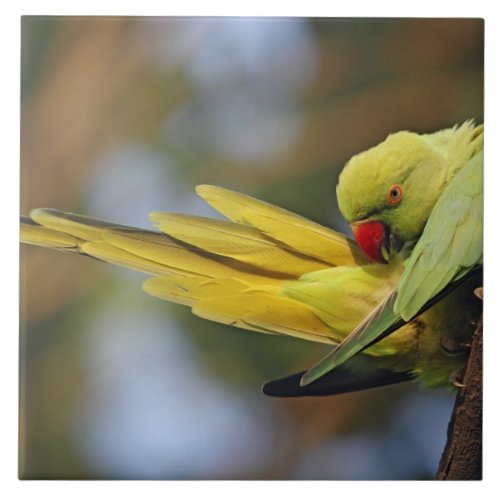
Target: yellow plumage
[
  {"x": 299, "y": 234},
  {"x": 236, "y": 241},
  {"x": 255, "y": 272}
]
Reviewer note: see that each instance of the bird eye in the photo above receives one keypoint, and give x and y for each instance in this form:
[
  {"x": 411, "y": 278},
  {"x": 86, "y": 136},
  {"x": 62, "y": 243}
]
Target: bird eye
[{"x": 395, "y": 194}]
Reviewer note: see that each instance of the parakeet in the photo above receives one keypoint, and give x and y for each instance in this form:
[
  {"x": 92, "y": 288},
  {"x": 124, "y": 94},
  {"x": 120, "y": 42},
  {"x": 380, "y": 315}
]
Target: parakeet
[
  {"x": 415, "y": 205},
  {"x": 424, "y": 196}
]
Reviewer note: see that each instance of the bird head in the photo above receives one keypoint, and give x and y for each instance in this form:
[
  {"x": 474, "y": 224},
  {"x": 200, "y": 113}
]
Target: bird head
[{"x": 387, "y": 193}]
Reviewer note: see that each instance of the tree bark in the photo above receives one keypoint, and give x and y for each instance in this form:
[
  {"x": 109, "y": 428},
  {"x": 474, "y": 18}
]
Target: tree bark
[{"x": 462, "y": 456}]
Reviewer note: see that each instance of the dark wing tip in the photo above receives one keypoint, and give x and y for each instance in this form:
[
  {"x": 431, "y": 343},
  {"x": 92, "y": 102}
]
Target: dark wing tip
[{"x": 338, "y": 381}]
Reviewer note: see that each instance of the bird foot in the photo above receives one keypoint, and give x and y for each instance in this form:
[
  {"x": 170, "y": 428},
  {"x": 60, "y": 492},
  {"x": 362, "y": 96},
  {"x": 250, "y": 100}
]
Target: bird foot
[
  {"x": 456, "y": 378},
  {"x": 453, "y": 346}
]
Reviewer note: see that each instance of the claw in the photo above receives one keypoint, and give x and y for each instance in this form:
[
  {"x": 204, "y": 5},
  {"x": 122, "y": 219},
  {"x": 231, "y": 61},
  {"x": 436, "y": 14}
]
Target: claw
[
  {"x": 456, "y": 378},
  {"x": 454, "y": 347},
  {"x": 478, "y": 292}
]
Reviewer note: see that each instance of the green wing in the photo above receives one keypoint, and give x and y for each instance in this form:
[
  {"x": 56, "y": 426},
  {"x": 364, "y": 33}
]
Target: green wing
[
  {"x": 381, "y": 320},
  {"x": 450, "y": 247},
  {"x": 451, "y": 244}
]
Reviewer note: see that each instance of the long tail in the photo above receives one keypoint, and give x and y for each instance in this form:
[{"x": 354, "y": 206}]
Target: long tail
[{"x": 232, "y": 272}]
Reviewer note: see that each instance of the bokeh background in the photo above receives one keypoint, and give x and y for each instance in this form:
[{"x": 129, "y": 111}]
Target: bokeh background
[{"x": 123, "y": 116}]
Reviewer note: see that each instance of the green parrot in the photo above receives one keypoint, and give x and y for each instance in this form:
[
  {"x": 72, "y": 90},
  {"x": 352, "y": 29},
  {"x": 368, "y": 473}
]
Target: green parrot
[
  {"x": 423, "y": 202},
  {"x": 397, "y": 306}
]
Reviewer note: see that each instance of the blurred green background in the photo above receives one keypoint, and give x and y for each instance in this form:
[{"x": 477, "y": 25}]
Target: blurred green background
[{"x": 123, "y": 116}]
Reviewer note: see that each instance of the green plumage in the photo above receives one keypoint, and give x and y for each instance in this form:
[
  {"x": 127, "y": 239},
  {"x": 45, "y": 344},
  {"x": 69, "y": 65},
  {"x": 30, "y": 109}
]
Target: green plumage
[
  {"x": 440, "y": 219},
  {"x": 451, "y": 244}
]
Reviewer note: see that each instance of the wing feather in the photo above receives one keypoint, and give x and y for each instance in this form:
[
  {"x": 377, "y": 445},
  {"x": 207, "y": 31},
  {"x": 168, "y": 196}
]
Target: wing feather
[
  {"x": 189, "y": 290},
  {"x": 451, "y": 243},
  {"x": 245, "y": 273},
  {"x": 80, "y": 226},
  {"x": 35, "y": 234},
  {"x": 300, "y": 234},
  {"x": 369, "y": 330},
  {"x": 160, "y": 248},
  {"x": 114, "y": 255},
  {"x": 259, "y": 310},
  {"x": 237, "y": 241}
]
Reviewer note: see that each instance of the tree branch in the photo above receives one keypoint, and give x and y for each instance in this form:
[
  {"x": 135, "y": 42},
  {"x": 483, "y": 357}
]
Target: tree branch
[{"x": 462, "y": 455}]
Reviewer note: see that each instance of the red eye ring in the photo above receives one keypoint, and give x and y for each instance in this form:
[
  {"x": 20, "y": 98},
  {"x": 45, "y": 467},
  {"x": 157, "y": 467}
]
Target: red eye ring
[{"x": 394, "y": 194}]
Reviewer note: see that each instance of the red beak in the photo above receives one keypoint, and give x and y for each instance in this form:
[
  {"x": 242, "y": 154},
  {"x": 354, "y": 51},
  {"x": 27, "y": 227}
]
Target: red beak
[{"x": 370, "y": 236}]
